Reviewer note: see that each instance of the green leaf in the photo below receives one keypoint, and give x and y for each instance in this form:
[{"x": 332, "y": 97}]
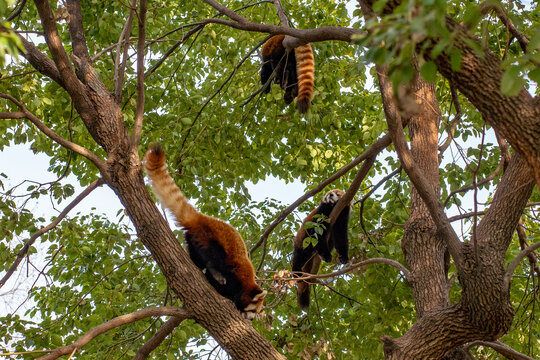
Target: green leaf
[
  {"x": 511, "y": 82},
  {"x": 429, "y": 71}
]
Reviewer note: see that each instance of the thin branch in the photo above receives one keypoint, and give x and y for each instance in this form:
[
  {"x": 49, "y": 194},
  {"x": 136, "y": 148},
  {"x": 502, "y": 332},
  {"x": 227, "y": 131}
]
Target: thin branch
[
  {"x": 22, "y": 253},
  {"x": 281, "y": 13},
  {"x": 119, "y": 69},
  {"x": 450, "y": 130},
  {"x": 57, "y": 138},
  {"x": 169, "y": 52},
  {"x": 514, "y": 264},
  {"x": 501, "y": 14},
  {"x": 501, "y": 348},
  {"x": 523, "y": 244},
  {"x": 218, "y": 90},
  {"x": 158, "y": 337},
  {"x": 227, "y": 12},
  {"x": 466, "y": 215},
  {"x": 377, "y": 147},
  {"x": 479, "y": 183},
  {"x": 139, "y": 112},
  {"x": 17, "y": 11},
  {"x": 349, "y": 268},
  {"x": 416, "y": 176},
  {"x": 114, "y": 323}
]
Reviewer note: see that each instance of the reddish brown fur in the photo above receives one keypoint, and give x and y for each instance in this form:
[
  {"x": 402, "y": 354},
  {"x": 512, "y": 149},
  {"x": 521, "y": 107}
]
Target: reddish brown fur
[
  {"x": 208, "y": 238},
  {"x": 303, "y": 73}
]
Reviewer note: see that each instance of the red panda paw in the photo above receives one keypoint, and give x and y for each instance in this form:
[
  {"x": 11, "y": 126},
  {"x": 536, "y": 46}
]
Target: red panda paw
[{"x": 255, "y": 307}]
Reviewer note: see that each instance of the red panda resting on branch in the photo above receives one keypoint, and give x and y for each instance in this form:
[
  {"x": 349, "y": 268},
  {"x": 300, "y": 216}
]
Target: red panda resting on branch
[
  {"x": 295, "y": 74},
  {"x": 308, "y": 259},
  {"x": 213, "y": 245}
]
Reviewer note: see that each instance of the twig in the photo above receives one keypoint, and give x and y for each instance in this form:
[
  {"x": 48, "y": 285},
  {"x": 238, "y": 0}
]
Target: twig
[
  {"x": 17, "y": 11},
  {"x": 114, "y": 323},
  {"x": 22, "y": 253}
]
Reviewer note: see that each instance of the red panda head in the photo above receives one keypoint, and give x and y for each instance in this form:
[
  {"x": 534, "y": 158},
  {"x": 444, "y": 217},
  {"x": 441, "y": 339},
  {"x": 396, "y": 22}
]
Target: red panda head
[{"x": 333, "y": 196}]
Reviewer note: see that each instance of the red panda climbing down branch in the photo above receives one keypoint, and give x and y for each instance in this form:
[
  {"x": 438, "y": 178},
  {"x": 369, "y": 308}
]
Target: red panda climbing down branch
[
  {"x": 295, "y": 74},
  {"x": 213, "y": 245},
  {"x": 308, "y": 259}
]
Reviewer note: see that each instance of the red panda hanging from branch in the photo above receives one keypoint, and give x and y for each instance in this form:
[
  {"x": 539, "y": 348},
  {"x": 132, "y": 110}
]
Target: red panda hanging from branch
[
  {"x": 213, "y": 245},
  {"x": 295, "y": 74}
]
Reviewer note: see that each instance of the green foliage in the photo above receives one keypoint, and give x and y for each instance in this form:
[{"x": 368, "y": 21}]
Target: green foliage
[{"x": 218, "y": 139}]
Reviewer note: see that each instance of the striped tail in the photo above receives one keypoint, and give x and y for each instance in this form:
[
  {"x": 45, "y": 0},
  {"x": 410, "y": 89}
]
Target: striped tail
[
  {"x": 305, "y": 70},
  {"x": 168, "y": 194}
]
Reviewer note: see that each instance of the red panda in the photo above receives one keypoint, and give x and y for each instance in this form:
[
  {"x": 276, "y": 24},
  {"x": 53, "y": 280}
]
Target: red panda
[
  {"x": 213, "y": 245},
  {"x": 308, "y": 259},
  {"x": 295, "y": 74}
]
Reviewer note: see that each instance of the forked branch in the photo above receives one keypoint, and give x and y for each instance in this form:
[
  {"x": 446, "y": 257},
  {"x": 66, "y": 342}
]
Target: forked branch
[
  {"x": 114, "y": 323},
  {"x": 158, "y": 337},
  {"x": 139, "y": 112}
]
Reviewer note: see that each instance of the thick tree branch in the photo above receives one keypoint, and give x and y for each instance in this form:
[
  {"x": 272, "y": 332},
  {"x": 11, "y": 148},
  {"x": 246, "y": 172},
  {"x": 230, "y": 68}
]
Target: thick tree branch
[
  {"x": 56, "y": 47},
  {"x": 55, "y": 137},
  {"x": 139, "y": 112},
  {"x": 76, "y": 30},
  {"x": 508, "y": 203},
  {"x": 114, "y": 323},
  {"x": 323, "y": 33},
  {"x": 374, "y": 149},
  {"x": 22, "y": 253},
  {"x": 426, "y": 192},
  {"x": 514, "y": 264},
  {"x": 158, "y": 337}
]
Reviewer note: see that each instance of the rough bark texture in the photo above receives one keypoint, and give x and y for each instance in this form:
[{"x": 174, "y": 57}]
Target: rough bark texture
[{"x": 423, "y": 248}]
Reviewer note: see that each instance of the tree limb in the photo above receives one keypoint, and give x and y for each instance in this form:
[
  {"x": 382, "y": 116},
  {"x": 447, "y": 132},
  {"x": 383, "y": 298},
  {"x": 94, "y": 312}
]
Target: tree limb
[
  {"x": 55, "y": 137},
  {"x": 76, "y": 30},
  {"x": 514, "y": 264},
  {"x": 158, "y": 337},
  {"x": 501, "y": 348},
  {"x": 22, "y": 253},
  {"x": 114, "y": 323}
]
